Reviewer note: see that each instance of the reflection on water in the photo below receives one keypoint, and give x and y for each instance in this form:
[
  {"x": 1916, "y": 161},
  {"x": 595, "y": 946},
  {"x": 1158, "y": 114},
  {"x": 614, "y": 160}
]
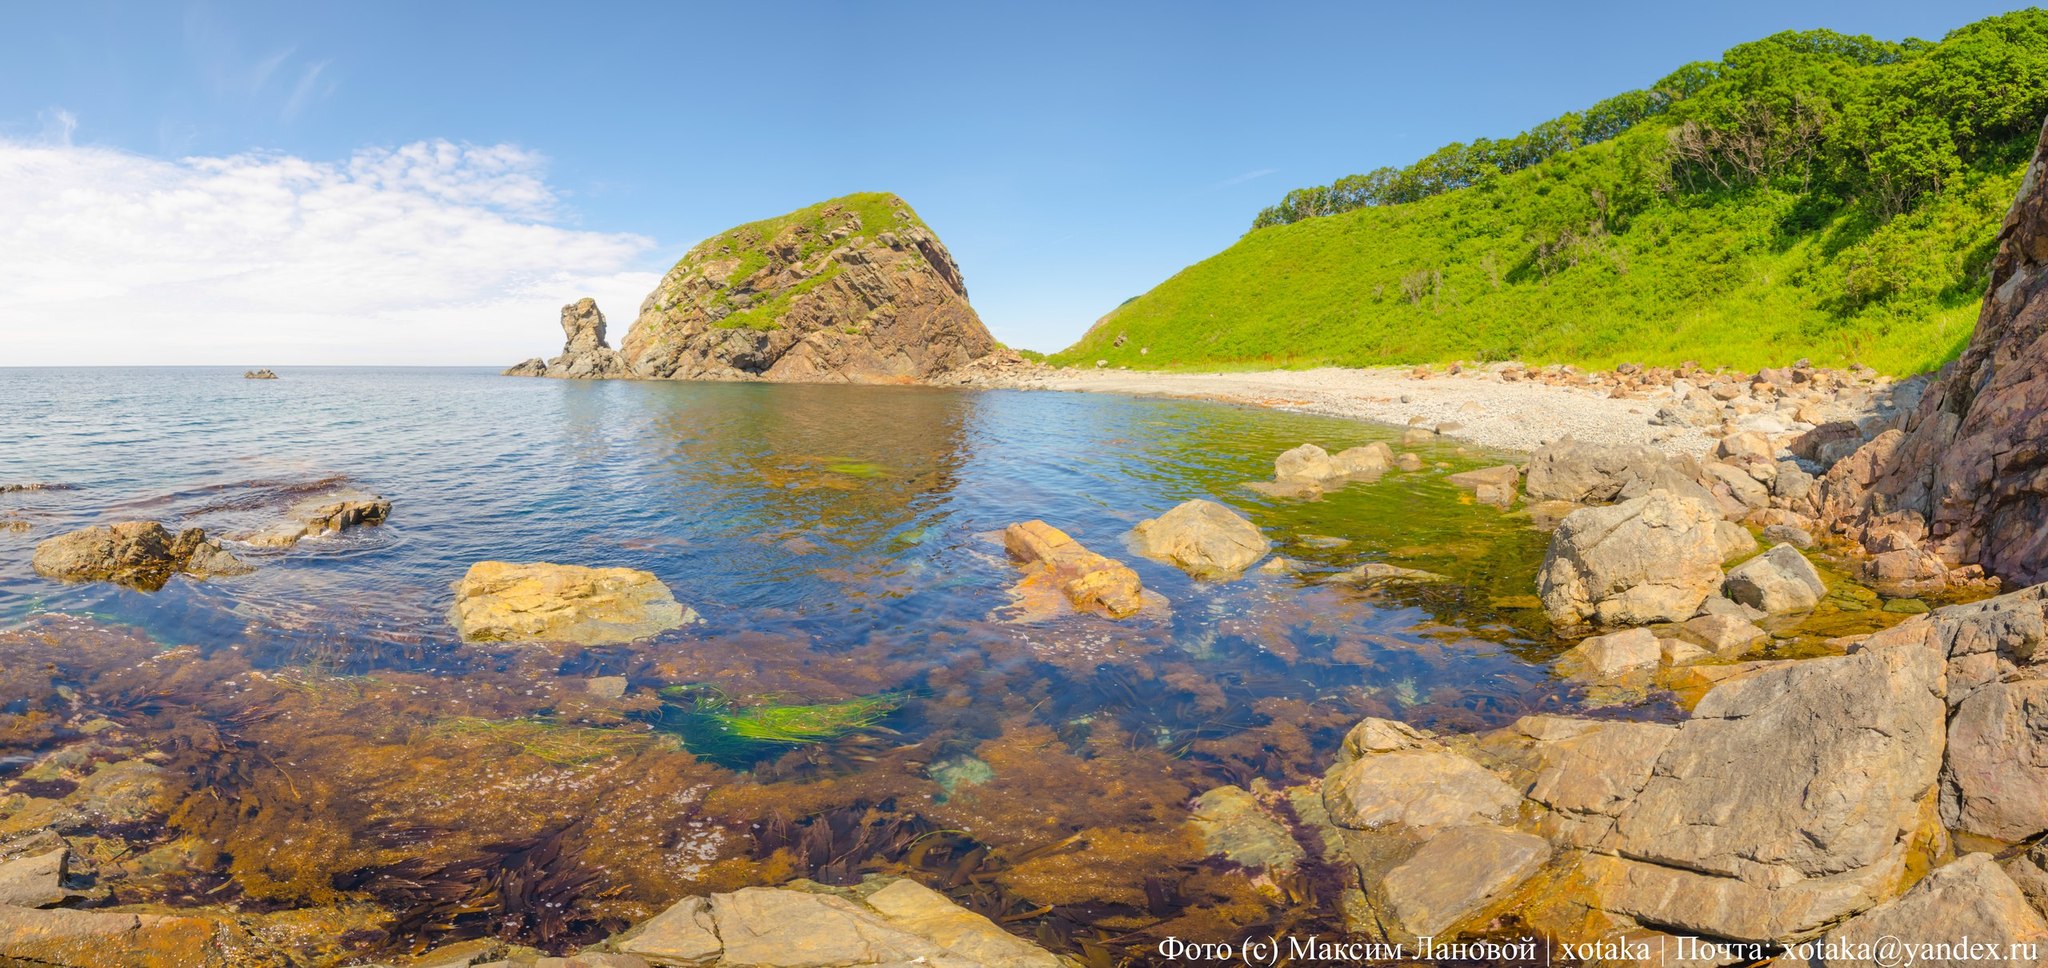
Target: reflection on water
[{"x": 314, "y": 734}]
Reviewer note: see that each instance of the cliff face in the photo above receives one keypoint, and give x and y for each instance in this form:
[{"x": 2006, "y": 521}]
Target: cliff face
[
  {"x": 854, "y": 290},
  {"x": 1965, "y": 480}
]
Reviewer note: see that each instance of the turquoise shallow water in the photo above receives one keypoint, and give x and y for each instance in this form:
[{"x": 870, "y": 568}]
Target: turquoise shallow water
[
  {"x": 832, "y": 512},
  {"x": 837, "y": 542}
]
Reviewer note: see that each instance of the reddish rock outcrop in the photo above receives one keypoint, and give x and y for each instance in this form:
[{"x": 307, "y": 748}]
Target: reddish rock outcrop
[
  {"x": 855, "y": 290},
  {"x": 1964, "y": 482}
]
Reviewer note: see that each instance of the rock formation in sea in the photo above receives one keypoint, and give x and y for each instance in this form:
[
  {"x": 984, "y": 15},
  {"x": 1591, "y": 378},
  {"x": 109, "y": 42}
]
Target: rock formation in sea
[
  {"x": 1964, "y": 481},
  {"x": 139, "y": 554},
  {"x": 585, "y": 354},
  {"x": 854, "y": 290}
]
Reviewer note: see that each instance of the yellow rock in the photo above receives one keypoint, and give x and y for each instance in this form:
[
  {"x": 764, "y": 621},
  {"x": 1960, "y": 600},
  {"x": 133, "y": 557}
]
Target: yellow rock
[
  {"x": 502, "y": 601},
  {"x": 1091, "y": 581}
]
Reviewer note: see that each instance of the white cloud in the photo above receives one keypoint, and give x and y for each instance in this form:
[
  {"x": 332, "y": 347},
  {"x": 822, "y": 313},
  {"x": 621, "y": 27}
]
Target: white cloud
[{"x": 427, "y": 253}]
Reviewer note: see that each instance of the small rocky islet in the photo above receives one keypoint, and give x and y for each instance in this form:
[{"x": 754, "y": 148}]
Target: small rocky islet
[{"x": 1831, "y": 733}]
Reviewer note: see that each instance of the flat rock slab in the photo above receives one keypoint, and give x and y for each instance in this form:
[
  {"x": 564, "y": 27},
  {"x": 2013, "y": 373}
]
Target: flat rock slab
[
  {"x": 1453, "y": 876},
  {"x": 804, "y": 925},
  {"x": 36, "y": 881},
  {"x": 96, "y": 939},
  {"x": 505, "y": 602},
  {"x": 1415, "y": 788}
]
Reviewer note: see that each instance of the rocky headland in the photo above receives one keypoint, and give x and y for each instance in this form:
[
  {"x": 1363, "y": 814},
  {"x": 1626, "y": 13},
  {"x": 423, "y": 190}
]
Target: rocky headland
[{"x": 854, "y": 290}]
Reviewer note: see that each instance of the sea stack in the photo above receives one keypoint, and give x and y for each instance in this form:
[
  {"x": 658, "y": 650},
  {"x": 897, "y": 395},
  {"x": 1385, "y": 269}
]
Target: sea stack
[
  {"x": 853, "y": 290},
  {"x": 585, "y": 354}
]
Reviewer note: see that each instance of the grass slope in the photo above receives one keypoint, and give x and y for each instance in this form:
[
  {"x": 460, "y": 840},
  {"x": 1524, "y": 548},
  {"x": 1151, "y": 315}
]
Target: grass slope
[
  {"x": 1617, "y": 252},
  {"x": 864, "y": 214}
]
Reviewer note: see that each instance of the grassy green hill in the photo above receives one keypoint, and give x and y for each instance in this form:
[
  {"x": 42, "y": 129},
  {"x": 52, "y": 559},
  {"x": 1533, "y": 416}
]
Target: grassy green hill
[{"x": 1809, "y": 195}]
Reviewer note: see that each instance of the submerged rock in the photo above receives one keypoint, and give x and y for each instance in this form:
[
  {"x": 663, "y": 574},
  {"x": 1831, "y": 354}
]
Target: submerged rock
[
  {"x": 500, "y": 601},
  {"x": 1203, "y": 538},
  {"x": 1234, "y": 826},
  {"x": 1092, "y": 582},
  {"x": 322, "y": 514},
  {"x": 1650, "y": 559},
  {"x": 854, "y": 290},
  {"x": 882, "y": 921},
  {"x": 139, "y": 554},
  {"x": 1491, "y": 485},
  {"x": 1381, "y": 573}
]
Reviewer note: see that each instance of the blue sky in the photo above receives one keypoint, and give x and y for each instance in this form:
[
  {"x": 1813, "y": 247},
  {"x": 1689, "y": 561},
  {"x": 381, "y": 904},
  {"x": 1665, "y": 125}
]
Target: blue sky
[{"x": 1071, "y": 155}]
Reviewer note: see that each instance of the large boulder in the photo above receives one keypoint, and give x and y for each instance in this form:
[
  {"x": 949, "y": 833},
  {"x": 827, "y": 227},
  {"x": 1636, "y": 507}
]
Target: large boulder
[
  {"x": 1967, "y": 914},
  {"x": 1091, "y": 582},
  {"x": 854, "y": 290},
  {"x": 1203, "y": 538},
  {"x": 882, "y": 921},
  {"x": 1583, "y": 473},
  {"x": 1425, "y": 827},
  {"x": 1790, "y": 800},
  {"x": 1995, "y": 781},
  {"x": 1654, "y": 558},
  {"x": 500, "y": 601},
  {"x": 1779, "y": 580},
  {"x": 1308, "y": 470},
  {"x": 1965, "y": 478},
  {"x": 585, "y": 354},
  {"x": 139, "y": 554}
]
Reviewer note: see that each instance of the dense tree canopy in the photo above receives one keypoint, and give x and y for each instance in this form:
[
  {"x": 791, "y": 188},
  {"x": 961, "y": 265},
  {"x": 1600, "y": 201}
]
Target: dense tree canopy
[{"x": 1856, "y": 118}]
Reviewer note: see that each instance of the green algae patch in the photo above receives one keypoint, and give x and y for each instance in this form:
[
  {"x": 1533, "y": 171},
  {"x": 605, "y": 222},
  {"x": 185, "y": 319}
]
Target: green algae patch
[
  {"x": 738, "y": 734},
  {"x": 855, "y": 468}
]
